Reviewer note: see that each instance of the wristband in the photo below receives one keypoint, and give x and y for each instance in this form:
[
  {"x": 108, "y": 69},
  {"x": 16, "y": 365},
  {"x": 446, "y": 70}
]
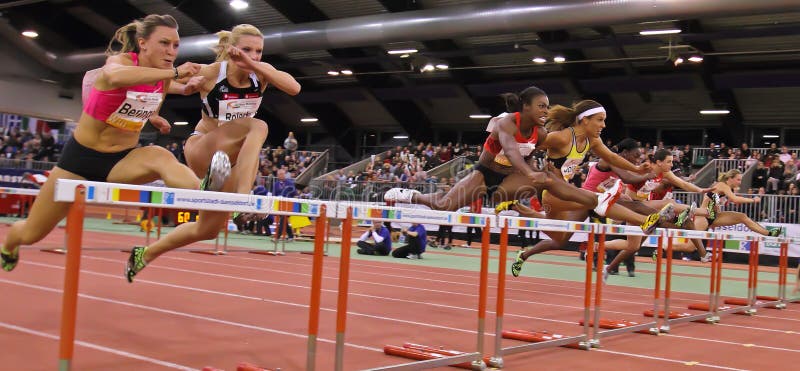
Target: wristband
[{"x": 176, "y": 73}]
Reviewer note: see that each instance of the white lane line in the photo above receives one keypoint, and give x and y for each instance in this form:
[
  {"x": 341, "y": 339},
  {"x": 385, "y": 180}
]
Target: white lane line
[
  {"x": 735, "y": 343},
  {"x": 99, "y": 347},
  {"x": 187, "y": 315},
  {"x": 686, "y": 363}
]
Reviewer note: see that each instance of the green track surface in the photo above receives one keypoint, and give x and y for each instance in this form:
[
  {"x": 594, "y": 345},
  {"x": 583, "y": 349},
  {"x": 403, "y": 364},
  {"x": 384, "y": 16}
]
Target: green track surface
[{"x": 568, "y": 268}]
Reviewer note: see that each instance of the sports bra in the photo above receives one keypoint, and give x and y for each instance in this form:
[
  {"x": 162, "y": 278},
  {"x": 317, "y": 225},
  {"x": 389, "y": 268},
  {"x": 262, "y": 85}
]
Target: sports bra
[
  {"x": 569, "y": 163},
  {"x": 526, "y": 145},
  {"x": 126, "y": 108},
  {"x": 226, "y": 103}
]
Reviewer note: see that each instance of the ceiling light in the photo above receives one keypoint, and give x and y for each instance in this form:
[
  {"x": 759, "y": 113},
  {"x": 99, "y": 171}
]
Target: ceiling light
[
  {"x": 539, "y": 60},
  {"x": 559, "y": 59},
  {"x": 677, "y": 60},
  {"x": 402, "y": 51},
  {"x": 714, "y": 112},
  {"x": 180, "y": 123},
  {"x": 405, "y": 56},
  {"x": 333, "y": 73},
  {"x": 400, "y": 137},
  {"x": 659, "y": 32},
  {"x": 427, "y": 68},
  {"x": 442, "y": 66},
  {"x": 309, "y": 119},
  {"x": 239, "y": 4},
  {"x": 480, "y": 116},
  {"x": 30, "y": 33},
  {"x": 696, "y": 58},
  {"x": 347, "y": 72},
  {"x": 771, "y": 136}
]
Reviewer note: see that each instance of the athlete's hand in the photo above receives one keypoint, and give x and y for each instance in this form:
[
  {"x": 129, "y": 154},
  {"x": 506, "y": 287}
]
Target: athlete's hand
[
  {"x": 161, "y": 124},
  {"x": 644, "y": 168},
  {"x": 188, "y": 69},
  {"x": 239, "y": 58},
  {"x": 194, "y": 85},
  {"x": 756, "y": 199}
]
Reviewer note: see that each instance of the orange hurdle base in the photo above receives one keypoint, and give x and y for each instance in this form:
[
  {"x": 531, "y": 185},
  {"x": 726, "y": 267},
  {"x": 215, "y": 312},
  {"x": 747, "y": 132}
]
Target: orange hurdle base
[
  {"x": 610, "y": 324},
  {"x": 55, "y": 251},
  {"x": 420, "y": 352},
  {"x": 208, "y": 252},
  {"x": 705, "y": 307},
  {"x": 244, "y": 366},
  {"x": 536, "y": 337},
  {"x": 672, "y": 315},
  {"x": 270, "y": 253}
]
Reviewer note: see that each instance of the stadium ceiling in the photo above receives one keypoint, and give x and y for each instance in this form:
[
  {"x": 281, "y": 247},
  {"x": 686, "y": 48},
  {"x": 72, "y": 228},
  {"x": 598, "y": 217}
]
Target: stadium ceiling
[{"x": 749, "y": 67}]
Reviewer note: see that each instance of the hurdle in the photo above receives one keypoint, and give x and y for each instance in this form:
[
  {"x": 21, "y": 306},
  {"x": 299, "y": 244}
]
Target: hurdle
[
  {"x": 613, "y": 327},
  {"x": 778, "y": 301},
  {"x": 428, "y": 356},
  {"x": 80, "y": 193},
  {"x": 538, "y": 339}
]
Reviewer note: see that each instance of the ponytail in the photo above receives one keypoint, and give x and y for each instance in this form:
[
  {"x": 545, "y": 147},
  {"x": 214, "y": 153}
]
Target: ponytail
[
  {"x": 227, "y": 38},
  {"x": 127, "y": 35},
  {"x": 732, "y": 173},
  {"x": 561, "y": 117},
  {"x": 514, "y": 102}
]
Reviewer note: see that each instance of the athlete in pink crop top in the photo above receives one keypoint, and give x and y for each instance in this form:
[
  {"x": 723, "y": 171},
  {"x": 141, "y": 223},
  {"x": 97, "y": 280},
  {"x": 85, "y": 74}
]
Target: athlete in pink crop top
[{"x": 103, "y": 146}]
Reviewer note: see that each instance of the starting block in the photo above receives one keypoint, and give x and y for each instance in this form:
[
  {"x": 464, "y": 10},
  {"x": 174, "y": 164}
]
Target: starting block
[
  {"x": 672, "y": 315},
  {"x": 535, "y": 337},
  {"x": 420, "y": 352}
]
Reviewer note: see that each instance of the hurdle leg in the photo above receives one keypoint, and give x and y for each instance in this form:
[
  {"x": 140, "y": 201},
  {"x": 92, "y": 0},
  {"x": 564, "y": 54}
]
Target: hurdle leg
[
  {"x": 479, "y": 364},
  {"x": 497, "y": 360},
  {"x": 344, "y": 278},
  {"x": 316, "y": 293},
  {"x": 598, "y": 289},
  {"x": 69, "y": 304}
]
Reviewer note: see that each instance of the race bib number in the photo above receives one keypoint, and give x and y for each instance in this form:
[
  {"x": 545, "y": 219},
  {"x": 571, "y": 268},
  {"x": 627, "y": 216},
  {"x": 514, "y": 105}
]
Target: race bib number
[
  {"x": 569, "y": 167},
  {"x": 137, "y": 108},
  {"x": 237, "y": 108},
  {"x": 647, "y": 188}
]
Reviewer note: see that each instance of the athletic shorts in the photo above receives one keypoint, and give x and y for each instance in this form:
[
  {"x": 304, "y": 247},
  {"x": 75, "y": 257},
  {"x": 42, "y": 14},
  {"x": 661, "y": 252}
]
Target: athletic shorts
[
  {"x": 491, "y": 178},
  {"x": 87, "y": 162}
]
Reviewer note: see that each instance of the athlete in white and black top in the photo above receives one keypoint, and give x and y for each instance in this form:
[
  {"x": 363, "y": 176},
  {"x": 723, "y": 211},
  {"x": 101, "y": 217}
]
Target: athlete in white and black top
[{"x": 231, "y": 92}]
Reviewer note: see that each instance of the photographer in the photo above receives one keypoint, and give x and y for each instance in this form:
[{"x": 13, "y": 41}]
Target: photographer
[
  {"x": 382, "y": 240},
  {"x": 416, "y": 239}
]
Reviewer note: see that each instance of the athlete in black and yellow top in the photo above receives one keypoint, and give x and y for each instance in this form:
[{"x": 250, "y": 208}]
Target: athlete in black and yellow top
[{"x": 574, "y": 131}]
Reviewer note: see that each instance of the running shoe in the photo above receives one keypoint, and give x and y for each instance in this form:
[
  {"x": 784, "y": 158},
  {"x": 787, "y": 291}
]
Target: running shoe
[
  {"x": 685, "y": 215},
  {"x": 605, "y": 274},
  {"x": 8, "y": 260},
  {"x": 713, "y": 199},
  {"x": 400, "y": 195},
  {"x": 655, "y": 255},
  {"x": 650, "y": 224},
  {"x": 517, "y": 266},
  {"x": 218, "y": 171},
  {"x": 505, "y": 205},
  {"x": 135, "y": 263},
  {"x": 706, "y": 258},
  {"x": 608, "y": 198},
  {"x": 776, "y": 232}
]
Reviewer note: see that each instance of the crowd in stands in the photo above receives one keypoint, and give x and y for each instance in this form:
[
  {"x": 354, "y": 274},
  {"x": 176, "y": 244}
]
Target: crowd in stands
[
  {"x": 293, "y": 162},
  {"x": 26, "y": 146}
]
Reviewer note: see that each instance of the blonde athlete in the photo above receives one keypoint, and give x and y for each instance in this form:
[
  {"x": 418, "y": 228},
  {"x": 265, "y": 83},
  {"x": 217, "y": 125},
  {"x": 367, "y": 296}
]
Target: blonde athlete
[
  {"x": 231, "y": 95},
  {"x": 722, "y": 194},
  {"x": 126, "y": 93}
]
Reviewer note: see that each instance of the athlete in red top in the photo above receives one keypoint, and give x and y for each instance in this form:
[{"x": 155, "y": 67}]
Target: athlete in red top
[{"x": 502, "y": 170}]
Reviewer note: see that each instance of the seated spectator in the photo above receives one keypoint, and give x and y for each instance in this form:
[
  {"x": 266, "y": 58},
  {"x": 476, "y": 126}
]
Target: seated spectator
[
  {"x": 381, "y": 237},
  {"x": 416, "y": 239}
]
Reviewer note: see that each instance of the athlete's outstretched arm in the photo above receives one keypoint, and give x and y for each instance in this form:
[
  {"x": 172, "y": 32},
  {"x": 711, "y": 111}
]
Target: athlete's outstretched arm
[{"x": 600, "y": 149}]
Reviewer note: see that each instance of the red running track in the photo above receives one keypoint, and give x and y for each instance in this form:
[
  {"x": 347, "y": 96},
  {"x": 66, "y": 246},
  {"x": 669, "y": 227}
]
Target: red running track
[{"x": 187, "y": 311}]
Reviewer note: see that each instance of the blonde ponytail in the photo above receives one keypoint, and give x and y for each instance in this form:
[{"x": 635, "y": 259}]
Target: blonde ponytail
[
  {"x": 227, "y": 38},
  {"x": 732, "y": 173}
]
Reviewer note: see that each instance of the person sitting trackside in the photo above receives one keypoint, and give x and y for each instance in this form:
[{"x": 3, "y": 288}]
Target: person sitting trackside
[
  {"x": 380, "y": 235},
  {"x": 416, "y": 239}
]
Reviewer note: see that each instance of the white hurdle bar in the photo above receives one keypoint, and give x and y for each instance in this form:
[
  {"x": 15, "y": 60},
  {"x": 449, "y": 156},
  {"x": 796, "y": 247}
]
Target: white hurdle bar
[
  {"x": 80, "y": 193},
  {"x": 424, "y": 216}
]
